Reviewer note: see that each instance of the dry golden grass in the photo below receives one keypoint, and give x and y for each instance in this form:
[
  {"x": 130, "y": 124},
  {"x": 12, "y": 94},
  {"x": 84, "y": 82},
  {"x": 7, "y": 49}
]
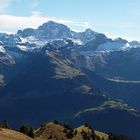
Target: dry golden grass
[
  {"x": 7, "y": 134},
  {"x": 50, "y": 131},
  {"x": 102, "y": 135},
  {"x": 53, "y": 131},
  {"x": 87, "y": 130}
]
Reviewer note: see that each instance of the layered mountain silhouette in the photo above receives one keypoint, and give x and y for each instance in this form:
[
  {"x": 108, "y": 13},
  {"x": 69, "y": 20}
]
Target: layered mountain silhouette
[{"x": 54, "y": 73}]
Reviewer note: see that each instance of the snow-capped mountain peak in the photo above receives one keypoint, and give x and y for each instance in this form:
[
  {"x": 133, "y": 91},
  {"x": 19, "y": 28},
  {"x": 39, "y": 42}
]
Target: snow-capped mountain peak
[
  {"x": 48, "y": 31},
  {"x": 2, "y": 50},
  {"x": 60, "y": 35}
]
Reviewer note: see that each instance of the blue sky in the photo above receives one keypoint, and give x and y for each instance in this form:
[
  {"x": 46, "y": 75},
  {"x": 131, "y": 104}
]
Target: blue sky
[{"x": 112, "y": 17}]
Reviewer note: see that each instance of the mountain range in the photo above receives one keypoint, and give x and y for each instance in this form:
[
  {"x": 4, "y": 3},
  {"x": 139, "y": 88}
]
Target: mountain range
[{"x": 53, "y": 72}]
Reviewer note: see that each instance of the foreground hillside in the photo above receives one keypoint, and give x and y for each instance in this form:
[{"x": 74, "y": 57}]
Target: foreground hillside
[
  {"x": 65, "y": 132},
  {"x": 56, "y": 131},
  {"x": 7, "y": 134}
]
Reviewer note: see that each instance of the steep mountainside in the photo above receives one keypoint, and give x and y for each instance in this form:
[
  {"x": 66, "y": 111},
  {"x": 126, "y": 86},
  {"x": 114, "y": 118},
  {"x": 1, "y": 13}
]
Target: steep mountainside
[
  {"x": 119, "y": 65},
  {"x": 49, "y": 87},
  {"x": 127, "y": 91}
]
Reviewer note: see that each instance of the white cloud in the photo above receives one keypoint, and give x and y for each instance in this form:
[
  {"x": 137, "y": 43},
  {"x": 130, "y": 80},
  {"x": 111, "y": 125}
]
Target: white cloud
[
  {"x": 110, "y": 35},
  {"x": 36, "y": 13},
  {"x": 127, "y": 37},
  {"x": 10, "y": 23}
]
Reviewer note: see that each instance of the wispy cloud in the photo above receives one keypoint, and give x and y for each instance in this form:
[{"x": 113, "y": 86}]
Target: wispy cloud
[
  {"x": 127, "y": 37},
  {"x": 4, "y": 4},
  {"x": 10, "y": 23}
]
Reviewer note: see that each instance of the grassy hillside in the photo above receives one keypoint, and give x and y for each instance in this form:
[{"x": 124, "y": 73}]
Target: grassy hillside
[
  {"x": 7, "y": 134},
  {"x": 64, "y": 132},
  {"x": 58, "y": 131}
]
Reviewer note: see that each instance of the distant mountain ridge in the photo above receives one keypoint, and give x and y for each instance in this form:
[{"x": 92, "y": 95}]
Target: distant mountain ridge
[{"x": 54, "y": 31}]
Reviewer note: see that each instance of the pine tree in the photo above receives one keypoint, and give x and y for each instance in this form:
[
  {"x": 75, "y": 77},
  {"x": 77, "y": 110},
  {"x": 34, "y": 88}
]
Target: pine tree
[
  {"x": 5, "y": 124},
  {"x": 24, "y": 129},
  {"x": 27, "y": 130},
  {"x": 31, "y": 132}
]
